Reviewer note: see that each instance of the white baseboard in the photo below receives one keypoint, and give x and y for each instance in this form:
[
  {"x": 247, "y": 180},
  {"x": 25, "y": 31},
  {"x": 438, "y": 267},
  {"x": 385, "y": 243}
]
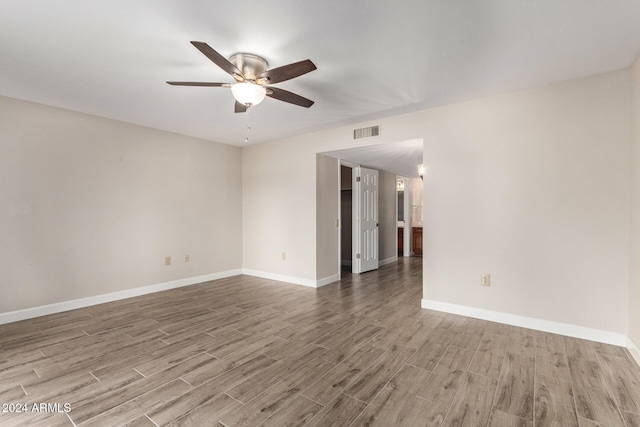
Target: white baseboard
[
  {"x": 346, "y": 263},
  {"x": 291, "y": 279},
  {"x": 280, "y": 277},
  {"x": 43, "y": 310},
  {"x": 327, "y": 280},
  {"x": 530, "y": 323},
  {"x": 305, "y": 282},
  {"x": 388, "y": 261},
  {"x": 634, "y": 350}
]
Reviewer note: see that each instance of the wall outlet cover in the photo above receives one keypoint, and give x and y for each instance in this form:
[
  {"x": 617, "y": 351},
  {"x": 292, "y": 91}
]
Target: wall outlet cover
[{"x": 485, "y": 279}]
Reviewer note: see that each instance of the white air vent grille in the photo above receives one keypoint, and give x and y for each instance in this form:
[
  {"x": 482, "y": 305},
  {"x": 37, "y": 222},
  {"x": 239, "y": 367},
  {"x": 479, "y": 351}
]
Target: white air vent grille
[{"x": 366, "y": 132}]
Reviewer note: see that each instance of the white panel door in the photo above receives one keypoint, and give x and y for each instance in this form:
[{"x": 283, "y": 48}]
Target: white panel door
[{"x": 365, "y": 220}]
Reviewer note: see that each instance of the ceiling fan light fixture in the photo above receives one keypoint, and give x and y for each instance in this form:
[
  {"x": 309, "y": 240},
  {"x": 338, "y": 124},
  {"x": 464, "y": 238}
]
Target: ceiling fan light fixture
[
  {"x": 249, "y": 94},
  {"x": 252, "y": 77}
]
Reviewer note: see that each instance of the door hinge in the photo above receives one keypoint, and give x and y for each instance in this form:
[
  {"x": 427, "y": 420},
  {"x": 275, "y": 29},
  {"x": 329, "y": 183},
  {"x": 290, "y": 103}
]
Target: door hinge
[
  {"x": 357, "y": 256},
  {"x": 357, "y": 179}
]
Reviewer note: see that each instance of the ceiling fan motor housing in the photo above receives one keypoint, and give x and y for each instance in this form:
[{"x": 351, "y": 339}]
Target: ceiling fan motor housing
[{"x": 250, "y": 65}]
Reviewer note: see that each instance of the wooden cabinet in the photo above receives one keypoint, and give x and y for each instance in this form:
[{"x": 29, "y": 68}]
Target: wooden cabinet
[{"x": 416, "y": 241}]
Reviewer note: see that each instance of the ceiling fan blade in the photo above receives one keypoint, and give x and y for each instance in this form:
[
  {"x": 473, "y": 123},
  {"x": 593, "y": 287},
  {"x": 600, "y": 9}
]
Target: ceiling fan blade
[
  {"x": 287, "y": 72},
  {"x": 219, "y": 60},
  {"x": 197, "y": 84},
  {"x": 240, "y": 108},
  {"x": 290, "y": 97}
]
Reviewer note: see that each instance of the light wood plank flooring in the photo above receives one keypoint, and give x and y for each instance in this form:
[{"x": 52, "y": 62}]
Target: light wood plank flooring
[{"x": 253, "y": 352}]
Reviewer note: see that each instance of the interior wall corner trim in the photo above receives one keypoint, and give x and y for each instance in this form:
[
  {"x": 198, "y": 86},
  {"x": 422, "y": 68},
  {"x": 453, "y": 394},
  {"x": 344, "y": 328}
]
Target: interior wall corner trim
[
  {"x": 634, "y": 350},
  {"x": 281, "y": 278},
  {"x": 292, "y": 279},
  {"x": 327, "y": 280}
]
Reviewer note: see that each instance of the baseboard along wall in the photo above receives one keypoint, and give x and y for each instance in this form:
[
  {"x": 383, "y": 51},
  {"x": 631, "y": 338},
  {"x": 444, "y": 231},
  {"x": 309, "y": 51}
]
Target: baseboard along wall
[
  {"x": 44, "y": 310},
  {"x": 566, "y": 329}
]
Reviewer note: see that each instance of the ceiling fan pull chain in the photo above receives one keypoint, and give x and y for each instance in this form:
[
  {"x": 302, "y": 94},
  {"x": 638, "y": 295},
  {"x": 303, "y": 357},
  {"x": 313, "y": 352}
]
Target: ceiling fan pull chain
[{"x": 246, "y": 140}]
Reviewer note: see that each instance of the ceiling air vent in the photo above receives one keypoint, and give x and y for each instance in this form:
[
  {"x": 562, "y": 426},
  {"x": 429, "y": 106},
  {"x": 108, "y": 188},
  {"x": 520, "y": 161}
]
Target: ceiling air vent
[{"x": 366, "y": 132}]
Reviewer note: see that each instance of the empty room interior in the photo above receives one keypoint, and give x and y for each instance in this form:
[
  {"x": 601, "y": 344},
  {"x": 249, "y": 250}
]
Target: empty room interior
[{"x": 320, "y": 213}]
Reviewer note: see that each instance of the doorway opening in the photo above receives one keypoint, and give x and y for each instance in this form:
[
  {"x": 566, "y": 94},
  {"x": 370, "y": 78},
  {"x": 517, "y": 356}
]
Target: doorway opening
[{"x": 392, "y": 161}]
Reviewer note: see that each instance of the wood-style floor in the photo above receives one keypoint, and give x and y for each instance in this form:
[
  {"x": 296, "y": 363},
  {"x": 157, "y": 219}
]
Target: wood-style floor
[{"x": 253, "y": 352}]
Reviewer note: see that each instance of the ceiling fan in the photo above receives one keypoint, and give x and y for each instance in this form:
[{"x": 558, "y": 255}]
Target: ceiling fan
[{"x": 253, "y": 78}]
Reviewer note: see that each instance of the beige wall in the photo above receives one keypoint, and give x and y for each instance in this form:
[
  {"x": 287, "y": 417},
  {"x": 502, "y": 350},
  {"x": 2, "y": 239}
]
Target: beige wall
[
  {"x": 279, "y": 209},
  {"x": 532, "y": 187},
  {"x": 90, "y": 206},
  {"x": 634, "y": 247}
]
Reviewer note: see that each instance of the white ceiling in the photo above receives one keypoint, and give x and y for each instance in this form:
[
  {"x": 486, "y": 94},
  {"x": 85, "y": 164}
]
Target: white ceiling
[
  {"x": 374, "y": 57},
  {"x": 401, "y": 158}
]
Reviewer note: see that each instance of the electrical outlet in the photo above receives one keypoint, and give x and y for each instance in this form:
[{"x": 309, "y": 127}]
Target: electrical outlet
[
  {"x": 167, "y": 260},
  {"x": 186, "y": 258},
  {"x": 284, "y": 256},
  {"x": 485, "y": 279}
]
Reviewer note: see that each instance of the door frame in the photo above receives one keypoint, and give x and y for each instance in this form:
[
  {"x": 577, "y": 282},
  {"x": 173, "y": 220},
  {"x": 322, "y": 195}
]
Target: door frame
[
  {"x": 406, "y": 239},
  {"x": 342, "y": 162}
]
